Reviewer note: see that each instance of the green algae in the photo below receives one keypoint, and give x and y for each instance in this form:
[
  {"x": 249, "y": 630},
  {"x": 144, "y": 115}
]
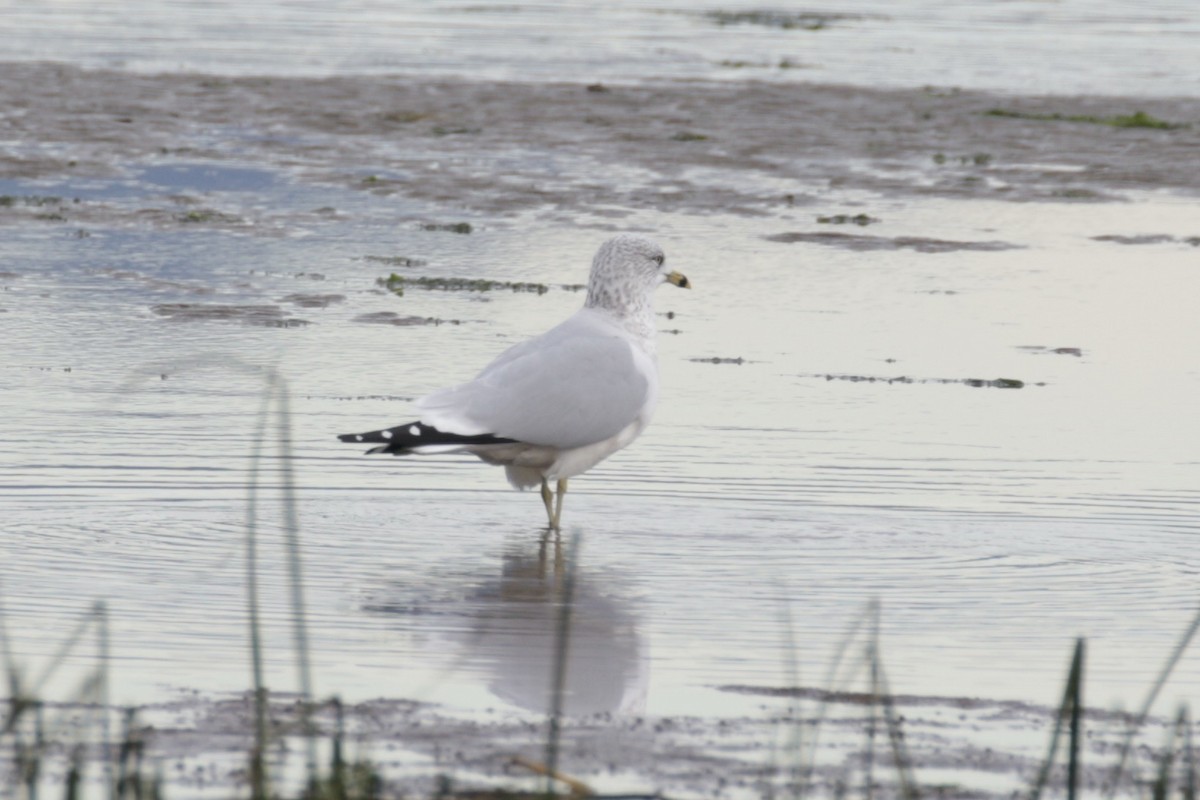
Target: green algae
[
  {"x": 846, "y": 219},
  {"x": 1138, "y": 119}
]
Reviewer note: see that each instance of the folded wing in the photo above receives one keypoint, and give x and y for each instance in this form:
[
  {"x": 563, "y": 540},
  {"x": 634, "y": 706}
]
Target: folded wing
[{"x": 571, "y": 387}]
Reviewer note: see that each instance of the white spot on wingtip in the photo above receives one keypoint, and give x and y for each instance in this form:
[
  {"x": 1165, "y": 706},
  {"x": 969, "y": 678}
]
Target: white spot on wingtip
[
  {"x": 358, "y": 437},
  {"x": 414, "y": 430},
  {"x": 387, "y": 434}
]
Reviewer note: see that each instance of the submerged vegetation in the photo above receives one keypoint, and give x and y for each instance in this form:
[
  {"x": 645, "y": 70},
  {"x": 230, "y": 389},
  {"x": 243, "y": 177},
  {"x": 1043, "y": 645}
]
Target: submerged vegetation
[
  {"x": 449, "y": 227},
  {"x": 719, "y": 360},
  {"x": 978, "y": 383},
  {"x": 393, "y": 283},
  {"x": 975, "y": 159},
  {"x": 396, "y": 284},
  {"x": 37, "y": 200},
  {"x": 1138, "y": 119},
  {"x": 783, "y": 20},
  {"x": 396, "y": 261},
  {"x": 850, "y": 241},
  {"x": 844, "y": 219}
]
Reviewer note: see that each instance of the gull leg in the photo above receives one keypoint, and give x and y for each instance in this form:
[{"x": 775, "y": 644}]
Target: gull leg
[
  {"x": 547, "y": 496},
  {"x": 558, "y": 501},
  {"x": 559, "y": 559}
]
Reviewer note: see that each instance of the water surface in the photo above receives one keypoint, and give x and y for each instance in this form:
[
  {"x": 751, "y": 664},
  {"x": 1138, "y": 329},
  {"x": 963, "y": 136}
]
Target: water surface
[
  {"x": 976, "y": 410},
  {"x": 1067, "y": 47},
  {"x": 993, "y": 524}
]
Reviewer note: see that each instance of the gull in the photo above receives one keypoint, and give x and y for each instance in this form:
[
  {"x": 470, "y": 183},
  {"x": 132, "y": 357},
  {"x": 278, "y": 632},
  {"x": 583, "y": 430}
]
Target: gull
[{"x": 556, "y": 405}]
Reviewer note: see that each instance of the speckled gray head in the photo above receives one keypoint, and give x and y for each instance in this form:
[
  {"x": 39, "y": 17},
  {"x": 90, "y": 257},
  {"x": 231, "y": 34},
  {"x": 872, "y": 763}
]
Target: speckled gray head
[{"x": 626, "y": 270}]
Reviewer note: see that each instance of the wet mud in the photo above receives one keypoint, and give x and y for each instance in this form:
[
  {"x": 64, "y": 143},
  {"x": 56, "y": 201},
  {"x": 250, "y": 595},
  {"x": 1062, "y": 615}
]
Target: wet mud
[
  {"x": 262, "y": 315},
  {"x": 505, "y": 148},
  {"x": 977, "y": 383},
  {"x": 719, "y": 360},
  {"x": 152, "y": 282},
  {"x": 313, "y": 300},
  {"x": 1149, "y": 238},
  {"x": 1059, "y": 351},
  {"x": 921, "y": 244},
  {"x": 400, "y": 320},
  {"x": 952, "y": 747}
]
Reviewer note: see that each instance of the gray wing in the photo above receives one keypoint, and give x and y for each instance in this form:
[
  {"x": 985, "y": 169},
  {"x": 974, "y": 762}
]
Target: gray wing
[{"x": 572, "y": 386}]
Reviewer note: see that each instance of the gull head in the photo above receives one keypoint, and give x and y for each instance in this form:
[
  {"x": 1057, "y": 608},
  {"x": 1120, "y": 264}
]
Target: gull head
[{"x": 626, "y": 271}]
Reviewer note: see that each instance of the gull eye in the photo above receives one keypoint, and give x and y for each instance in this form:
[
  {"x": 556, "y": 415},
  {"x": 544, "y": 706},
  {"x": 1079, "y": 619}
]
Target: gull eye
[{"x": 657, "y": 260}]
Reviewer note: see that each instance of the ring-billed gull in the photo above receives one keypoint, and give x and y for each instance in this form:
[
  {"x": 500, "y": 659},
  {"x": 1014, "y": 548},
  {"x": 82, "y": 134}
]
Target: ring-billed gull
[{"x": 554, "y": 406}]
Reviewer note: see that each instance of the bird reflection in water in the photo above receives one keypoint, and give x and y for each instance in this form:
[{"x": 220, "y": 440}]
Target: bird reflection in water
[
  {"x": 607, "y": 663},
  {"x": 511, "y": 624}
]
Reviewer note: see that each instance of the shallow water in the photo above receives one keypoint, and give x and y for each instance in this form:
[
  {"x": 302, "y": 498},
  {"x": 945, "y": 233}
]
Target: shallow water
[
  {"x": 993, "y": 524},
  {"x": 819, "y": 443},
  {"x": 1073, "y": 46}
]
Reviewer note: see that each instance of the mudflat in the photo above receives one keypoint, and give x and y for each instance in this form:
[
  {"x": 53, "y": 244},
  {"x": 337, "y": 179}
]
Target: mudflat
[{"x": 499, "y": 148}]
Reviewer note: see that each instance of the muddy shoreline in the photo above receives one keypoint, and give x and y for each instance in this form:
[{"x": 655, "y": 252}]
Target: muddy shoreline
[
  {"x": 506, "y": 148},
  {"x": 961, "y": 747}
]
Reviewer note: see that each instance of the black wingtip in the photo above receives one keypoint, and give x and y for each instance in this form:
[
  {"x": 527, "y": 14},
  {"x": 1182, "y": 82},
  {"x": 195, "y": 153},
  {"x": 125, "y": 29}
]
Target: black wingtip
[{"x": 403, "y": 438}]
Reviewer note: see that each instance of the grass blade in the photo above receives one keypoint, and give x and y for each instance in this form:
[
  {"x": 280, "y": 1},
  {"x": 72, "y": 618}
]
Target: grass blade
[
  {"x": 794, "y": 745},
  {"x": 102, "y": 696},
  {"x": 1076, "y": 712},
  {"x": 1189, "y": 757},
  {"x": 830, "y": 688},
  {"x": 900, "y": 757},
  {"x": 291, "y": 529},
  {"x": 258, "y": 767},
  {"x": 1070, "y": 707},
  {"x": 1114, "y": 781}
]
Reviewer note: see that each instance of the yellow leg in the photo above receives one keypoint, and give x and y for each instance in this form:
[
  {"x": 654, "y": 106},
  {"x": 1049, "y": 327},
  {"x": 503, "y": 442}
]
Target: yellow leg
[
  {"x": 547, "y": 497},
  {"x": 558, "y": 501}
]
